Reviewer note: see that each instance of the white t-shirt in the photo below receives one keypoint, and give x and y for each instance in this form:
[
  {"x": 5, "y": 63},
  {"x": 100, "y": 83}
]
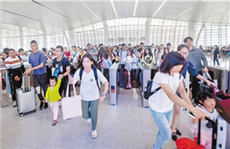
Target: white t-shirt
[
  {"x": 206, "y": 128},
  {"x": 88, "y": 89},
  {"x": 159, "y": 101}
]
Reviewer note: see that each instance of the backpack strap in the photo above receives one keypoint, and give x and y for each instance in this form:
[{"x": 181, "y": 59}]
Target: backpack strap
[
  {"x": 157, "y": 89},
  {"x": 95, "y": 75}
]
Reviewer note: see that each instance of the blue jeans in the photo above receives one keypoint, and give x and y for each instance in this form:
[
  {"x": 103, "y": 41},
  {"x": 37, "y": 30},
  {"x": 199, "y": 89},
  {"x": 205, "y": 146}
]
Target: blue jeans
[
  {"x": 163, "y": 121},
  {"x": 7, "y": 82}
]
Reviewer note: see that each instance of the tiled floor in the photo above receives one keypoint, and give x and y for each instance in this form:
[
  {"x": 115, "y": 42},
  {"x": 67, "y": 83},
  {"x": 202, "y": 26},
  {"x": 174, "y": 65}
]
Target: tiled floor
[{"x": 125, "y": 126}]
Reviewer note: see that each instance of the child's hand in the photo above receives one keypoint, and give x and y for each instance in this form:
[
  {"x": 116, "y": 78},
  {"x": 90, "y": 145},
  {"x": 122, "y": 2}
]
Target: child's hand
[
  {"x": 60, "y": 76},
  {"x": 46, "y": 100}
]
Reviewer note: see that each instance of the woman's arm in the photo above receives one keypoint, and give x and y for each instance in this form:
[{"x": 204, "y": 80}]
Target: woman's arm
[
  {"x": 205, "y": 80},
  {"x": 183, "y": 93},
  {"x": 169, "y": 92}
]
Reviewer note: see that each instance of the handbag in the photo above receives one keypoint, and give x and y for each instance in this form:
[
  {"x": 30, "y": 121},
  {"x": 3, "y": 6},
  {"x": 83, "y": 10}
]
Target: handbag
[
  {"x": 3, "y": 83},
  {"x": 57, "y": 69},
  {"x": 71, "y": 106}
]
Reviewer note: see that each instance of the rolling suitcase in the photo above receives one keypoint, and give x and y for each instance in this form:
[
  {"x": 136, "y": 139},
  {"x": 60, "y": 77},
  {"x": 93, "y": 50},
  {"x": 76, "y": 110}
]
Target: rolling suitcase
[{"x": 26, "y": 100}]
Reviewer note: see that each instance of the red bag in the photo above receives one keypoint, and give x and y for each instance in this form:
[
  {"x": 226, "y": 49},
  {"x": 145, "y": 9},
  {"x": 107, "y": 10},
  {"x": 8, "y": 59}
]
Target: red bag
[
  {"x": 3, "y": 84},
  {"x": 186, "y": 143}
]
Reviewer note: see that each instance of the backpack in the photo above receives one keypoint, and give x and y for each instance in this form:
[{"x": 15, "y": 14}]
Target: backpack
[
  {"x": 147, "y": 90},
  {"x": 95, "y": 75}
]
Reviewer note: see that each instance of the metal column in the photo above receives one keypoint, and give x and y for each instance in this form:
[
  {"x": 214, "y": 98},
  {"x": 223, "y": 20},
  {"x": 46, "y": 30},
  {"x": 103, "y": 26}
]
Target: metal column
[
  {"x": 113, "y": 84},
  {"x": 145, "y": 77}
]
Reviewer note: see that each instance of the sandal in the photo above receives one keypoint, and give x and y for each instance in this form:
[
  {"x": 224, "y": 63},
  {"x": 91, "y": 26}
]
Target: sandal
[
  {"x": 54, "y": 123},
  {"x": 174, "y": 136},
  {"x": 178, "y": 132}
]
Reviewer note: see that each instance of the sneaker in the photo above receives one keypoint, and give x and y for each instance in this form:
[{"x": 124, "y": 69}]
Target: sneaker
[
  {"x": 41, "y": 105},
  {"x": 94, "y": 134},
  {"x": 14, "y": 104},
  {"x": 89, "y": 120},
  {"x": 46, "y": 105}
]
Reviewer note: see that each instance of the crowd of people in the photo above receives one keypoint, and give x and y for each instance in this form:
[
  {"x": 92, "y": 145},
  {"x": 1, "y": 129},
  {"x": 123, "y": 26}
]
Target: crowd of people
[{"x": 91, "y": 60}]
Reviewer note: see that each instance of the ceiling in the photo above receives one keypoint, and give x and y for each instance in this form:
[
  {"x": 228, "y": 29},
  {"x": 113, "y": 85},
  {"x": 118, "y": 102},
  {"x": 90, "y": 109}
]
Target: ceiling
[{"x": 36, "y": 17}]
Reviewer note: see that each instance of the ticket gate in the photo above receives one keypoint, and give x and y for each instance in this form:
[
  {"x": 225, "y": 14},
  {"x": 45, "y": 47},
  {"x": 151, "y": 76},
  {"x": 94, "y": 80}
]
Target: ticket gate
[
  {"x": 146, "y": 75},
  {"x": 113, "y": 84},
  {"x": 4, "y": 97},
  {"x": 221, "y": 74},
  {"x": 134, "y": 76}
]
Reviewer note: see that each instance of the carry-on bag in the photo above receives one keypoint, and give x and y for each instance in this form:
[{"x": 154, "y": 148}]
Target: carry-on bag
[
  {"x": 26, "y": 100},
  {"x": 71, "y": 106}
]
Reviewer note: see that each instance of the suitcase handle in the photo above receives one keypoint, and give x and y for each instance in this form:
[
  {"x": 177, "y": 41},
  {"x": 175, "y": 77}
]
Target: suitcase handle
[
  {"x": 23, "y": 83},
  {"x": 213, "y": 130}
]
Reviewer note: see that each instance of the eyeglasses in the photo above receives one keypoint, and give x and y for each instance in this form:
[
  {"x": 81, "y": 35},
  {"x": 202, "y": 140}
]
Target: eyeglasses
[
  {"x": 58, "y": 51},
  {"x": 184, "y": 53}
]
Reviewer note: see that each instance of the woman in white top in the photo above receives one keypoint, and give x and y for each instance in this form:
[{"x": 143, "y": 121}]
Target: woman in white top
[
  {"x": 129, "y": 59},
  {"x": 169, "y": 78},
  {"x": 89, "y": 89}
]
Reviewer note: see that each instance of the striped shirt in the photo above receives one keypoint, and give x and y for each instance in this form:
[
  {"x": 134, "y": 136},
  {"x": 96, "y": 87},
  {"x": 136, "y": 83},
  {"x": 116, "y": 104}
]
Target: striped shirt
[{"x": 13, "y": 63}]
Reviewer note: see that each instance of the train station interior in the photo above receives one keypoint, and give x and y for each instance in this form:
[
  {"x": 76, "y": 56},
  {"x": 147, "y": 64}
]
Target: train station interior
[{"x": 126, "y": 42}]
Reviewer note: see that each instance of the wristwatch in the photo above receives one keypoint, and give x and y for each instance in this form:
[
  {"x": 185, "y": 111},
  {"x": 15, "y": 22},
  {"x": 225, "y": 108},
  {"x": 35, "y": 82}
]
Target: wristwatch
[{"x": 104, "y": 94}]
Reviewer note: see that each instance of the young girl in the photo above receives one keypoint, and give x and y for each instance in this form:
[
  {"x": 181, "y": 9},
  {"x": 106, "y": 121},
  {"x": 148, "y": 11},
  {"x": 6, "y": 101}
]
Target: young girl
[
  {"x": 52, "y": 94},
  {"x": 148, "y": 58},
  {"x": 89, "y": 90},
  {"x": 188, "y": 67},
  {"x": 129, "y": 59},
  {"x": 208, "y": 103},
  {"x": 167, "y": 81}
]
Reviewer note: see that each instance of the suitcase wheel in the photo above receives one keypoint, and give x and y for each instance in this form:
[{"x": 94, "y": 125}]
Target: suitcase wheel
[{"x": 21, "y": 114}]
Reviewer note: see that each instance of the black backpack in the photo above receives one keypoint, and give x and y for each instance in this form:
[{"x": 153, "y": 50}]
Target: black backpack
[
  {"x": 95, "y": 75},
  {"x": 147, "y": 90}
]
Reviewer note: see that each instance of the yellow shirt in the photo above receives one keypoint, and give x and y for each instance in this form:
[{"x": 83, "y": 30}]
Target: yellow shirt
[{"x": 53, "y": 94}]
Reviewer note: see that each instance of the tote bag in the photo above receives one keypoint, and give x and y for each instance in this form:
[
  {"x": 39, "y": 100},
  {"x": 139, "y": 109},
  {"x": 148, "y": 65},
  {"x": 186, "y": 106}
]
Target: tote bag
[{"x": 71, "y": 106}]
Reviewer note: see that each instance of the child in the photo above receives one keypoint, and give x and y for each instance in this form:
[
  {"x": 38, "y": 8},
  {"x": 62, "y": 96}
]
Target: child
[
  {"x": 208, "y": 103},
  {"x": 89, "y": 89},
  {"x": 52, "y": 94}
]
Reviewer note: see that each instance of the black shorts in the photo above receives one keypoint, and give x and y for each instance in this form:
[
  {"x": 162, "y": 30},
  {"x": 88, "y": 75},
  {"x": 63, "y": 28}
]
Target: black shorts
[{"x": 40, "y": 80}]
